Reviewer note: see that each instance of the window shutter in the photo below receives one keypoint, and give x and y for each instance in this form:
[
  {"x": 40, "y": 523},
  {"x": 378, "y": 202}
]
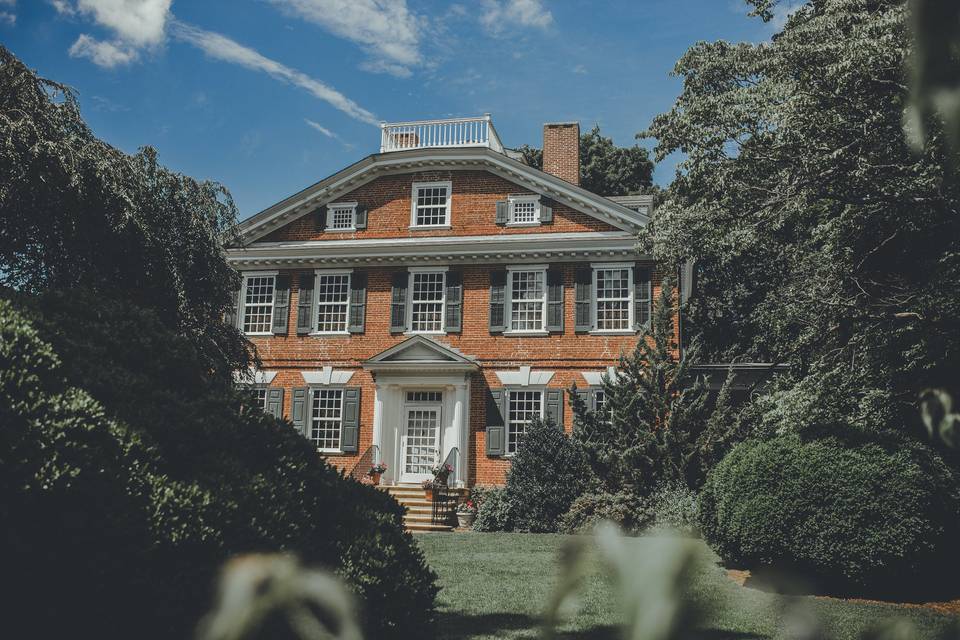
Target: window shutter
[
  {"x": 358, "y": 302},
  {"x": 503, "y": 212},
  {"x": 360, "y": 217},
  {"x": 555, "y": 299},
  {"x": 642, "y": 297},
  {"x": 586, "y": 395},
  {"x": 498, "y": 301},
  {"x": 281, "y": 304},
  {"x": 351, "y": 420},
  {"x": 496, "y": 425},
  {"x": 298, "y": 409},
  {"x": 320, "y": 218},
  {"x": 584, "y": 299},
  {"x": 305, "y": 313},
  {"x": 275, "y": 401},
  {"x": 553, "y": 407},
  {"x": 398, "y": 305},
  {"x": 232, "y": 314},
  {"x": 454, "y": 312},
  {"x": 546, "y": 211}
]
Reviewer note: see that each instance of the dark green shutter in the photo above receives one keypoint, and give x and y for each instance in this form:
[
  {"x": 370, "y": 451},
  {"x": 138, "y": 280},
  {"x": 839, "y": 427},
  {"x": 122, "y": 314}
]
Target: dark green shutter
[
  {"x": 320, "y": 218},
  {"x": 553, "y": 406},
  {"x": 498, "y": 301},
  {"x": 232, "y": 314},
  {"x": 358, "y": 302},
  {"x": 546, "y": 211},
  {"x": 298, "y": 409},
  {"x": 305, "y": 307},
  {"x": 642, "y": 297},
  {"x": 398, "y": 302},
  {"x": 585, "y": 395},
  {"x": 281, "y": 304},
  {"x": 496, "y": 424},
  {"x": 584, "y": 299},
  {"x": 503, "y": 212},
  {"x": 349, "y": 434},
  {"x": 360, "y": 217},
  {"x": 453, "y": 323},
  {"x": 275, "y": 401},
  {"x": 555, "y": 299}
]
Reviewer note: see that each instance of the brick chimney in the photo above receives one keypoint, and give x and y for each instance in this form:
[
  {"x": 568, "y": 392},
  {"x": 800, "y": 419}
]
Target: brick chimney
[{"x": 561, "y": 150}]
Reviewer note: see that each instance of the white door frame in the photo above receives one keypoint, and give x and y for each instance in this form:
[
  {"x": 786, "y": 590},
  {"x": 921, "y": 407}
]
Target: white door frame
[{"x": 438, "y": 435}]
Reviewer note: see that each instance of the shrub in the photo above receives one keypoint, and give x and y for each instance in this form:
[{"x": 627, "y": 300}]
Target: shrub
[
  {"x": 492, "y": 511},
  {"x": 675, "y": 507},
  {"x": 631, "y": 512},
  {"x": 868, "y": 517},
  {"x": 547, "y": 474}
]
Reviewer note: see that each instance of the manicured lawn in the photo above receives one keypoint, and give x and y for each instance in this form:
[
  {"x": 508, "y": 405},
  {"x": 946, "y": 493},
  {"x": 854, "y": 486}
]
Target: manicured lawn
[{"x": 494, "y": 585}]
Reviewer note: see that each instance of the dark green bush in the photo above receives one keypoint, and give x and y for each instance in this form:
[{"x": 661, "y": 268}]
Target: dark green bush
[
  {"x": 123, "y": 499},
  {"x": 867, "y": 517},
  {"x": 493, "y": 513},
  {"x": 628, "y": 510}
]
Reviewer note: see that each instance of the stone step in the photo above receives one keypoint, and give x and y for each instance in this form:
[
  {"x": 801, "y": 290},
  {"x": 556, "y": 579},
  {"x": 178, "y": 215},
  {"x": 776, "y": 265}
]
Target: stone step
[{"x": 425, "y": 528}]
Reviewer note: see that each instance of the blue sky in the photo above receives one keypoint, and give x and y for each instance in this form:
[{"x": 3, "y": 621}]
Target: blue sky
[{"x": 269, "y": 96}]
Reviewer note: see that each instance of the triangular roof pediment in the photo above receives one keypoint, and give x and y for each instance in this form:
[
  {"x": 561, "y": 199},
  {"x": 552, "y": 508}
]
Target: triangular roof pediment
[{"x": 420, "y": 351}]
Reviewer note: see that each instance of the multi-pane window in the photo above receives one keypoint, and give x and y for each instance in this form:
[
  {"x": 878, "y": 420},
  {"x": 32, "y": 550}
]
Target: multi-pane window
[
  {"x": 431, "y": 204},
  {"x": 258, "y": 397},
  {"x": 527, "y": 300},
  {"x": 426, "y": 301},
  {"x": 425, "y": 396},
  {"x": 341, "y": 216},
  {"x": 258, "y": 304},
  {"x": 522, "y": 408},
  {"x": 614, "y": 299},
  {"x": 524, "y": 211},
  {"x": 333, "y": 302},
  {"x": 326, "y": 419},
  {"x": 599, "y": 400}
]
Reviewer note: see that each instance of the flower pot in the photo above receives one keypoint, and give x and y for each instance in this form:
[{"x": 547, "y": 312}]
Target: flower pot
[
  {"x": 465, "y": 520},
  {"x": 375, "y": 477}
]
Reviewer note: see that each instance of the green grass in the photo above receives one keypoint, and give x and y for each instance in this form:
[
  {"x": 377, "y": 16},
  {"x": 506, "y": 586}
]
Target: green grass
[{"x": 494, "y": 585}]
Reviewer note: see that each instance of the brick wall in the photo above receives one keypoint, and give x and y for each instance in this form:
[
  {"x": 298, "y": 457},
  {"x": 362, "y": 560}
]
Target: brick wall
[{"x": 561, "y": 150}]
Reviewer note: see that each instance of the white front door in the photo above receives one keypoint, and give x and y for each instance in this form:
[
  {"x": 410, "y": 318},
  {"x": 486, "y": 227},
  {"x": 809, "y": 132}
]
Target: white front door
[{"x": 420, "y": 443}]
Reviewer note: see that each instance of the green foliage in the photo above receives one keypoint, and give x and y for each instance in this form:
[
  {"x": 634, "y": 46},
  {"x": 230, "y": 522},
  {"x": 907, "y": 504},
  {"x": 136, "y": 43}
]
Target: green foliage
[
  {"x": 675, "y": 507},
  {"x": 493, "y": 512},
  {"x": 76, "y": 212},
  {"x": 627, "y": 510},
  {"x": 857, "y": 516},
  {"x": 659, "y": 428},
  {"x": 604, "y": 167},
  {"x": 210, "y": 479}
]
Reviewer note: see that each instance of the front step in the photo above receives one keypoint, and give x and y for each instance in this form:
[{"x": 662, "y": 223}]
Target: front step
[{"x": 418, "y": 507}]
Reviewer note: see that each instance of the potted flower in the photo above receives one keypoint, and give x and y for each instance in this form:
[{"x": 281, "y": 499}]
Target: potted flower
[
  {"x": 376, "y": 471},
  {"x": 466, "y": 513},
  {"x": 442, "y": 472}
]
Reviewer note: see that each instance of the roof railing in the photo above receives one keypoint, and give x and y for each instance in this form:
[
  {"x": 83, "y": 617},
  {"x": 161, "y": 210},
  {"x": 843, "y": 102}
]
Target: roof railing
[{"x": 451, "y": 132}]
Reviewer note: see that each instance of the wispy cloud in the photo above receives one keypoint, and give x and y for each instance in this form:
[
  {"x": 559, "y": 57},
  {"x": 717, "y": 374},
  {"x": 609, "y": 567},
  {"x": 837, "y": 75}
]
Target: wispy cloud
[
  {"x": 8, "y": 18},
  {"x": 102, "y": 53},
  {"x": 386, "y": 29},
  {"x": 579, "y": 69},
  {"x": 220, "y": 47},
  {"x": 319, "y": 127},
  {"x": 106, "y": 104},
  {"x": 502, "y": 15}
]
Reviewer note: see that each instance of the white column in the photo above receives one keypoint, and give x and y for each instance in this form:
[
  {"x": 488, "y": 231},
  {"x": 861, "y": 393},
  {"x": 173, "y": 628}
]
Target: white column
[
  {"x": 378, "y": 422},
  {"x": 461, "y": 412}
]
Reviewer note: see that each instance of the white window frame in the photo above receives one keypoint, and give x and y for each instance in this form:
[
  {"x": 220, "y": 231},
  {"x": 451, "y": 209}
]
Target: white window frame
[
  {"x": 542, "y": 331},
  {"x": 542, "y": 390},
  {"x": 314, "y": 389},
  {"x": 631, "y": 321},
  {"x": 443, "y": 301},
  {"x": 413, "y": 204},
  {"x": 316, "y": 300},
  {"x": 243, "y": 300},
  {"x": 341, "y": 205},
  {"x": 511, "y": 210}
]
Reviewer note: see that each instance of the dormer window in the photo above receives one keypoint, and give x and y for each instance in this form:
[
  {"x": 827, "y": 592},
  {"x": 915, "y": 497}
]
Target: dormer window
[
  {"x": 342, "y": 216},
  {"x": 430, "y": 204},
  {"x": 524, "y": 210}
]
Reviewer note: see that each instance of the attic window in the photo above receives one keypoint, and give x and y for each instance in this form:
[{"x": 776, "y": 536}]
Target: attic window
[
  {"x": 524, "y": 210},
  {"x": 342, "y": 216},
  {"x": 431, "y": 204}
]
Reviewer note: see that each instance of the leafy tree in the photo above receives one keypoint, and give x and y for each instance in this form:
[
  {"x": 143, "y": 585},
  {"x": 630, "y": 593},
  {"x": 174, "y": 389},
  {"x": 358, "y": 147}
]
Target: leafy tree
[
  {"x": 821, "y": 239},
  {"x": 76, "y": 212},
  {"x": 658, "y": 430},
  {"x": 604, "y": 167}
]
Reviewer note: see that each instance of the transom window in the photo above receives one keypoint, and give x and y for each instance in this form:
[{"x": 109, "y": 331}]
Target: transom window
[
  {"x": 614, "y": 298},
  {"x": 426, "y": 301},
  {"x": 326, "y": 419},
  {"x": 424, "y": 396},
  {"x": 523, "y": 407},
  {"x": 342, "y": 216},
  {"x": 333, "y": 302},
  {"x": 258, "y": 304},
  {"x": 431, "y": 204},
  {"x": 528, "y": 298},
  {"x": 525, "y": 210}
]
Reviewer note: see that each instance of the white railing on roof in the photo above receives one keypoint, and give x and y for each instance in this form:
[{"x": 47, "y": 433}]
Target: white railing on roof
[{"x": 453, "y": 132}]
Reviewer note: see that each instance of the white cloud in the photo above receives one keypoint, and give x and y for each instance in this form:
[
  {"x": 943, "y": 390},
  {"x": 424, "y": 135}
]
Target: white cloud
[
  {"x": 319, "y": 127},
  {"x": 9, "y": 18},
  {"x": 386, "y": 29},
  {"x": 223, "y": 48},
  {"x": 101, "y": 53},
  {"x": 501, "y": 15},
  {"x": 63, "y": 7},
  {"x": 136, "y": 22},
  {"x": 580, "y": 69}
]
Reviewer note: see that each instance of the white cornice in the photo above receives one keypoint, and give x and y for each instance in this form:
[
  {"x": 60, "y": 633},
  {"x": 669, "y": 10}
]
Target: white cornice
[{"x": 378, "y": 165}]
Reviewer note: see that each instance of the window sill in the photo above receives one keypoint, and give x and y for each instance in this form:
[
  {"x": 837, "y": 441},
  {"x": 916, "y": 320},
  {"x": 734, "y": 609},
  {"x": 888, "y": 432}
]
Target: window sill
[
  {"x": 330, "y": 334},
  {"x": 258, "y": 333},
  {"x": 523, "y": 224},
  {"x": 350, "y": 230},
  {"x": 429, "y": 227},
  {"x": 424, "y": 333},
  {"x": 336, "y": 452},
  {"x": 526, "y": 333},
  {"x": 612, "y": 332}
]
